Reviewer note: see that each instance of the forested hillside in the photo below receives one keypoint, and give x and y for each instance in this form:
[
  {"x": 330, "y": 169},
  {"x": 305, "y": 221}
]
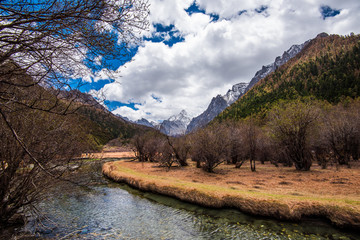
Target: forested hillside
[
  {"x": 85, "y": 118},
  {"x": 328, "y": 69},
  {"x": 102, "y": 126}
]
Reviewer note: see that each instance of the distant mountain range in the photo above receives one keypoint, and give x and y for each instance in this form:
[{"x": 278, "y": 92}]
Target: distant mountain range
[
  {"x": 219, "y": 103},
  {"x": 182, "y": 124},
  {"x": 145, "y": 122},
  {"x": 174, "y": 126},
  {"x": 100, "y": 125},
  {"x": 327, "y": 68},
  {"x": 216, "y": 106}
]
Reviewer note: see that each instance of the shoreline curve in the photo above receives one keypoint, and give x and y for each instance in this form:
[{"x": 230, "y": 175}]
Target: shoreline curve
[{"x": 289, "y": 209}]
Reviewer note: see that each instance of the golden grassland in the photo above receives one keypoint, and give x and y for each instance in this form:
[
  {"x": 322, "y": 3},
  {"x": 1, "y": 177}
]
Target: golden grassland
[
  {"x": 108, "y": 154},
  {"x": 281, "y": 193}
]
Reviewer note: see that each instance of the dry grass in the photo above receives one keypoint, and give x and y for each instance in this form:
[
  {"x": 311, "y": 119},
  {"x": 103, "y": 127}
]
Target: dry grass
[
  {"x": 282, "y": 193},
  {"x": 109, "y": 153}
]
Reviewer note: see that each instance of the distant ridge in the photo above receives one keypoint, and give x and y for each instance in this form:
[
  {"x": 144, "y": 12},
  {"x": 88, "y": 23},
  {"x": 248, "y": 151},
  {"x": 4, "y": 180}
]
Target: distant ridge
[
  {"x": 328, "y": 68},
  {"x": 175, "y": 125},
  {"x": 220, "y": 103}
]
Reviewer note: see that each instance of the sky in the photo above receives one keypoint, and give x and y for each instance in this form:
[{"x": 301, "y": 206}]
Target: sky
[{"x": 195, "y": 50}]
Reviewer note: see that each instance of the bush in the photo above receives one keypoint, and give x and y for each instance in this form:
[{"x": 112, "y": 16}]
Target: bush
[
  {"x": 291, "y": 125},
  {"x": 180, "y": 148},
  {"x": 342, "y": 132},
  {"x": 146, "y": 145},
  {"x": 210, "y": 147}
]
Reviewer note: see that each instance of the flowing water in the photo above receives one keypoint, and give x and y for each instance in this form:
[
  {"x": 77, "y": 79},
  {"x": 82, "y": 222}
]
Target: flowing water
[{"x": 107, "y": 210}]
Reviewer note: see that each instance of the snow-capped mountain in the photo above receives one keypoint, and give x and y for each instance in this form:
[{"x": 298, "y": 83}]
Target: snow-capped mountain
[
  {"x": 181, "y": 124},
  {"x": 142, "y": 121},
  {"x": 145, "y": 122},
  {"x": 280, "y": 60},
  {"x": 219, "y": 103},
  {"x": 216, "y": 106},
  {"x": 175, "y": 125},
  {"x": 234, "y": 93}
]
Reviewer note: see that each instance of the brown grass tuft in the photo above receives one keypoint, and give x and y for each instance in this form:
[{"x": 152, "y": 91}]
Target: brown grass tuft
[{"x": 291, "y": 199}]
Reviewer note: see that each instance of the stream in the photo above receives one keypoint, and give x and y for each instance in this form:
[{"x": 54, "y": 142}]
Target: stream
[{"x": 108, "y": 210}]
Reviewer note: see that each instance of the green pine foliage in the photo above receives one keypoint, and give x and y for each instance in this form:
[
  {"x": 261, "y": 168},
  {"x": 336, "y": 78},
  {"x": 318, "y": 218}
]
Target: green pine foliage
[{"x": 327, "y": 69}]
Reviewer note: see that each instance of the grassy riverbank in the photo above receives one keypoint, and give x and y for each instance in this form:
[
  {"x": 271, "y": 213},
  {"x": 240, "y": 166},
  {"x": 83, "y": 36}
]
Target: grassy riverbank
[{"x": 281, "y": 193}]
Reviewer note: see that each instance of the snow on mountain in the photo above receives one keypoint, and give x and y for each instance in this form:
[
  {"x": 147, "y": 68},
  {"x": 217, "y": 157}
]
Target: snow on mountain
[
  {"x": 234, "y": 93},
  {"x": 175, "y": 125},
  {"x": 216, "y": 106},
  {"x": 144, "y": 122},
  {"x": 180, "y": 124},
  {"x": 280, "y": 60},
  {"x": 219, "y": 103}
]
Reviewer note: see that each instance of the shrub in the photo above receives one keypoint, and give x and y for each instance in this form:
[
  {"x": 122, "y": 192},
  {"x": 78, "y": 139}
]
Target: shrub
[
  {"x": 210, "y": 147},
  {"x": 291, "y": 125}
]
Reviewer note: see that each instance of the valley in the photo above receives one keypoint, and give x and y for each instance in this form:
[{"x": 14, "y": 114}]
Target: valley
[
  {"x": 108, "y": 210},
  {"x": 149, "y": 119}
]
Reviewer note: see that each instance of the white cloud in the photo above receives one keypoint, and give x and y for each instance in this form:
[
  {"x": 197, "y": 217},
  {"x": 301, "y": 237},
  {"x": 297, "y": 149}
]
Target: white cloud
[
  {"x": 229, "y": 8},
  {"x": 129, "y": 113},
  {"x": 216, "y": 55}
]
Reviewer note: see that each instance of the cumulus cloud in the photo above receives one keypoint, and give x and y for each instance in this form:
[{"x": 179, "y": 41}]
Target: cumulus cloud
[{"x": 214, "y": 55}]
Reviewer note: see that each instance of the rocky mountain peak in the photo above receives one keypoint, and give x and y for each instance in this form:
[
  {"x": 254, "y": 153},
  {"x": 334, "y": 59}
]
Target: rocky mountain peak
[
  {"x": 219, "y": 103},
  {"x": 182, "y": 116},
  {"x": 322, "y": 35},
  {"x": 279, "y": 61},
  {"x": 78, "y": 96},
  {"x": 144, "y": 122},
  {"x": 235, "y": 92},
  {"x": 176, "y": 125}
]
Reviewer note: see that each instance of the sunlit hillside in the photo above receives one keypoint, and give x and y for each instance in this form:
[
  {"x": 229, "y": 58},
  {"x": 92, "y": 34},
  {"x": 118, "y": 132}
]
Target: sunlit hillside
[{"x": 327, "y": 69}]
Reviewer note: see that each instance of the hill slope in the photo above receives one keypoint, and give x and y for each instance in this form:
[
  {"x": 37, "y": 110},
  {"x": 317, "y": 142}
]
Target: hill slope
[
  {"x": 220, "y": 103},
  {"x": 328, "y": 68},
  {"x": 102, "y": 126},
  {"x": 94, "y": 120}
]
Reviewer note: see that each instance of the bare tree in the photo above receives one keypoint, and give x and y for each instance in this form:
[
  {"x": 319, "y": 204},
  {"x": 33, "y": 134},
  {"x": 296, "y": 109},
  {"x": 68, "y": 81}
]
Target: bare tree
[
  {"x": 33, "y": 162},
  {"x": 291, "y": 124},
  {"x": 321, "y": 153},
  {"x": 264, "y": 147},
  {"x": 319, "y": 145},
  {"x": 180, "y": 148},
  {"x": 52, "y": 39},
  {"x": 194, "y": 152},
  {"x": 138, "y": 143},
  {"x": 243, "y": 142},
  {"x": 166, "y": 156},
  {"x": 235, "y": 154},
  {"x": 153, "y": 140},
  {"x": 251, "y": 138},
  {"x": 44, "y": 46},
  {"x": 145, "y": 145},
  {"x": 342, "y": 132},
  {"x": 55, "y": 42},
  {"x": 210, "y": 146}
]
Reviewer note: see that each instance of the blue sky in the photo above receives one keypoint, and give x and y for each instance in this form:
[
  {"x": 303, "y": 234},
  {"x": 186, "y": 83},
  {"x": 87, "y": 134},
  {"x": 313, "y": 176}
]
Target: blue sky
[{"x": 195, "y": 50}]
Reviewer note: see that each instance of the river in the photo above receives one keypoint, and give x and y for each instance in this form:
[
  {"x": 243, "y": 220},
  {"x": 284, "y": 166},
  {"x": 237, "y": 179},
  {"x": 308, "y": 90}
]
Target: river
[{"x": 108, "y": 210}]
